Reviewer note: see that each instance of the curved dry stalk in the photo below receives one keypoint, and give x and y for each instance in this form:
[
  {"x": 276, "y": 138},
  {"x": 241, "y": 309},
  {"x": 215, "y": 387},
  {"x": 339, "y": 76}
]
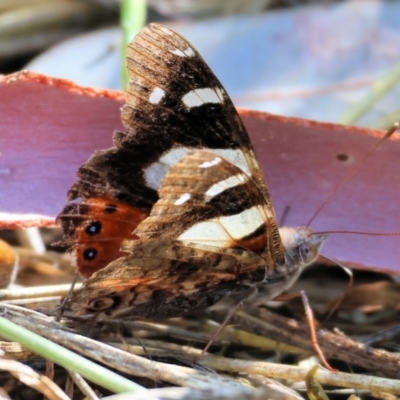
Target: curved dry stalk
[
  {"x": 31, "y": 293},
  {"x": 271, "y": 370},
  {"x": 121, "y": 360},
  {"x": 83, "y": 386},
  {"x": 32, "y": 379},
  {"x": 333, "y": 345}
]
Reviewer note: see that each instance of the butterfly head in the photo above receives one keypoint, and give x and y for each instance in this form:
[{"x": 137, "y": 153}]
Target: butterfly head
[{"x": 302, "y": 245}]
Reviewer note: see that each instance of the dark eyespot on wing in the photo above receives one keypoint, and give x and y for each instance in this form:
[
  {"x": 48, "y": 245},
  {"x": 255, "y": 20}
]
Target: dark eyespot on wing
[
  {"x": 110, "y": 208},
  {"x": 90, "y": 254},
  {"x": 93, "y": 228}
]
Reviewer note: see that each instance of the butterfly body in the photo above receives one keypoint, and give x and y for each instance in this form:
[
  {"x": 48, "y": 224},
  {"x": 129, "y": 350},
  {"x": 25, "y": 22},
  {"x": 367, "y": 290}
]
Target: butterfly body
[{"x": 185, "y": 179}]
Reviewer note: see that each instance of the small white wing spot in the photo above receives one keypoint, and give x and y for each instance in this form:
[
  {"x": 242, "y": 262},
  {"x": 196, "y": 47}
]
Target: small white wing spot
[
  {"x": 209, "y": 164},
  {"x": 220, "y": 94},
  {"x": 188, "y": 52},
  {"x": 198, "y": 97},
  {"x": 183, "y": 199},
  {"x": 178, "y": 52},
  {"x": 221, "y": 186},
  {"x": 156, "y": 95}
]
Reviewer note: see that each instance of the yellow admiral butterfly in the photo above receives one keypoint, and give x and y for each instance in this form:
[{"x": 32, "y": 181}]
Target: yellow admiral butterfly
[{"x": 182, "y": 193}]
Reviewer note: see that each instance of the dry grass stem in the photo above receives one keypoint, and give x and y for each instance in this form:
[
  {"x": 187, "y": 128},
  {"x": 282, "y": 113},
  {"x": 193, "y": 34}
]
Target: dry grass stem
[
  {"x": 183, "y": 393},
  {"x": 31, "y": 378},
  {"x": 121, "y": 360},
  {"x": 271, "y": 370},
  {"x": 33, "y": 292},
  {"x": 332, "y": 345},
  {"x": 168, "y": 331},
  {"x": 83, "y": 386}
]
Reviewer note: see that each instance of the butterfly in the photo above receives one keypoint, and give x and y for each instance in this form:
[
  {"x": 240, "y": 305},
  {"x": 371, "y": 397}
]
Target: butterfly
[{"x": 176, "y": 215}]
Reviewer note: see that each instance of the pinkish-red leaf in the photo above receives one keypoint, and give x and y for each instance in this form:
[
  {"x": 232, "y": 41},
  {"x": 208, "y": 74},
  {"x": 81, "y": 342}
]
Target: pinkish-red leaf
[{"x": 50, "y": 126}]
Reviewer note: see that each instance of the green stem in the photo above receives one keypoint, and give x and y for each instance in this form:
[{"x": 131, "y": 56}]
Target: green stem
[
  {"x": 386, "y": 121},
  {"x": 66, "y": 358},
  {"x": 133, "y": 18},
  {"x": 378, "y": 90}
]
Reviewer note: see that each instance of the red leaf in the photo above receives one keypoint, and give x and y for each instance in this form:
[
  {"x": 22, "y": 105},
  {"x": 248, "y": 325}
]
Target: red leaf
[{"x": 50, "y": 126}]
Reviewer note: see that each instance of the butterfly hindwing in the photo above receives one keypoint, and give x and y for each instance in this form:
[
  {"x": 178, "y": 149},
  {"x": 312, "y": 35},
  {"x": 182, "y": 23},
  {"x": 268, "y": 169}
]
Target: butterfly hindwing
[
  {"x": 207, "y": 237},
  {"x": 205, "y": 199},
  {"x": 165, "y": 278}
]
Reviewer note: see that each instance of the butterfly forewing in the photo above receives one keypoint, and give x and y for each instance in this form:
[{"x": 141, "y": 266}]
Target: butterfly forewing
[
  {"x": 189, "y": 253},
  {"x": 207, "y": 237},
  {"x": 174, "y": 104}
]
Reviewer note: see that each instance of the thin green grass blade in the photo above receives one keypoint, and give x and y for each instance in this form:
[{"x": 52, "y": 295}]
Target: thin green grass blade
[
  {"x": 66, "y": 358},
  {"x": 381, "y": 86},
  {"x": 133, "y": 19}
]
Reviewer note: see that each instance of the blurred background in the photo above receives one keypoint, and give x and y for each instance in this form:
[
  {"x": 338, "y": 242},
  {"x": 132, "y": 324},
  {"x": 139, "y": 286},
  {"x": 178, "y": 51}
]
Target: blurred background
[
  {"x": 333, "y": 61},
  {"x": 325, "y": 60}
]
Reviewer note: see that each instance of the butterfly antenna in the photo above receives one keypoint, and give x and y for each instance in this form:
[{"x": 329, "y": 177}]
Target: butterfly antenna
[
  {"x": 389, "y": 133},
  {"x": 356, "y": 233},
  {"x": 284, "y": 216}
]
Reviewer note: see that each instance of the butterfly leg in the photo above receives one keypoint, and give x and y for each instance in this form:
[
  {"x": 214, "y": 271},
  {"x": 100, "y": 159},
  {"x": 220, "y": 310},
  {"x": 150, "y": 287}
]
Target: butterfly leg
[
  {"x": 220, "y": 329},
  {"x": 65, "y": 300},
  {"x": 247, "y": 295},
  {"x": 311, "y": 325}
]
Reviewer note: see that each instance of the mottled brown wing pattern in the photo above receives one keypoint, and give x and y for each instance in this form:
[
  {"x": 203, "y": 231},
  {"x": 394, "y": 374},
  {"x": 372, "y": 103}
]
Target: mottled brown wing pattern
[
  {"x": 186, "y": 157},
  {"x": 174, "y": 104},
  {"x": 207, "y": 237},
  {"x": 164, "y": 278},
  {"x": 207, "y": 200}
]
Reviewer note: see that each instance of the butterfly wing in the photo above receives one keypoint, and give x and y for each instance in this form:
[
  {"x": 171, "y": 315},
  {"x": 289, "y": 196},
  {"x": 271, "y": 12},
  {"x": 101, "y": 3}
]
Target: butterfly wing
[
  {"x": 207, "y": 200},
  {"x": 207, "y": 236},
  {"x": 162, "y": 279},
  {"x": 174, "y": 104}
]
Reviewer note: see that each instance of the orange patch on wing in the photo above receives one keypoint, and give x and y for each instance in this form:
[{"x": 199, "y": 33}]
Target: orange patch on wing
[
  {"x": 98, "y": 238},
  {"x": 255, "y": 244}
]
